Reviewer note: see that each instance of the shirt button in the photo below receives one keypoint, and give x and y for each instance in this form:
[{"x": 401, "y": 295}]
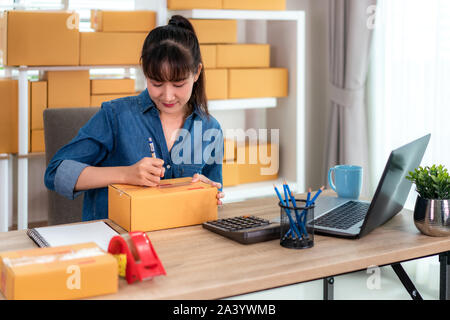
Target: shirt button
[{"x": 168, "y": 166}]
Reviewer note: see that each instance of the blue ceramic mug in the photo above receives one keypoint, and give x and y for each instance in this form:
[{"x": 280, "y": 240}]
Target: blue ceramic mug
[{"x": 347, "y": 180}]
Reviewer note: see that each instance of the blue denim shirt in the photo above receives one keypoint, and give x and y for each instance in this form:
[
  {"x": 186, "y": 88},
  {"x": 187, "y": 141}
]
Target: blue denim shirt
[{"x": 118, "y": 136}]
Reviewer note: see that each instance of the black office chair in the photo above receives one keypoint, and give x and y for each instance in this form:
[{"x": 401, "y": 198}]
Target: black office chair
[{"x": 60, "y": 126}]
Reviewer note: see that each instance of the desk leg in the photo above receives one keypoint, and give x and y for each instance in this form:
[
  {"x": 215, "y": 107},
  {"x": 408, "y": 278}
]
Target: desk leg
[
  {"x": 406, "y": 281},
  {"x": 328, "y": 288},
  {"x": 444, "y": 278}
]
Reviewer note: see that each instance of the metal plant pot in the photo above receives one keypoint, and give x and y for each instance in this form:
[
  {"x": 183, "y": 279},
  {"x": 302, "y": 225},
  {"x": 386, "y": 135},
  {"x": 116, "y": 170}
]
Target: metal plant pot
[{"x": 432, "y": 217}]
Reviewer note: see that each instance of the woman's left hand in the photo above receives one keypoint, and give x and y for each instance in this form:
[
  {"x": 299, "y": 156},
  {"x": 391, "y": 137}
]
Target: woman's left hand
[{"x": 202, "y": 178}]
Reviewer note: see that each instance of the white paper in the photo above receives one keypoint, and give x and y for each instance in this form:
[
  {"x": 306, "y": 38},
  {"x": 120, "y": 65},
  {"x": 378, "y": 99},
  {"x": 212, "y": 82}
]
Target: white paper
[{"x": 98, "y": 232}]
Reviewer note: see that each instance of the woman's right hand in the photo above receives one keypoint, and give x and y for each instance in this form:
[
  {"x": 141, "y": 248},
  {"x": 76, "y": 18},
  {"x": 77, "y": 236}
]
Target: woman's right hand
[{"x": 146, "y": 172}]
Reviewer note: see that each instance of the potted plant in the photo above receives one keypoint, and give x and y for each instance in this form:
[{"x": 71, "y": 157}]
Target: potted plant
[{"x": 432, "y": 209}]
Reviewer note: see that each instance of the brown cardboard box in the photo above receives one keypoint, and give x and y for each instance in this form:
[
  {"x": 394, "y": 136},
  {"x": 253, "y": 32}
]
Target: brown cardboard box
[
  {"x": 98, "y": 99},
  {"x": 257, "y": 83},
  {"x": 64, "y": 272},
  {"x": 254, "y": 4},
  {"x": 123, "y": 21},
  {"x": 243, "y": 56},
  {"x": 208, "y": 52},
  {"x": 37, "y": 140},
  {"x": 9, "y": 116},
  {"x": 38, "y": 103},
  {"x": 167, "y": 206},
  {"x": 229, "y": 146},
  {"x": 112, "y": 86},
  {"x": 39, "y": 38},
  {"x": 215, "y": 31},
  {"x": 256, "y": 164},
  {"x": 68, "y": 88},
  {"x": 193, "y": 4},
  {"x": 216, "y": 85},
  {"x": 111, "y": 48},
  {"x": 230, "y": 173}
]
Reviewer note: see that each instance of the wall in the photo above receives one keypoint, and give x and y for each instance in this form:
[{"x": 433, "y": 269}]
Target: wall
[{"x": 316, "y": 86}]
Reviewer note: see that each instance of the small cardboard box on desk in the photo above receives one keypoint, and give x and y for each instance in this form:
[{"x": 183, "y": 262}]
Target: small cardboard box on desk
[
  {"x": 63, "y": 272},
  {"x": 174, "y": 203}
]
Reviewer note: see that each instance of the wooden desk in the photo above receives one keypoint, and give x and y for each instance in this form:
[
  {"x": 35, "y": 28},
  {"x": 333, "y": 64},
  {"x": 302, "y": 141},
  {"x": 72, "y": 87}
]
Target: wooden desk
[{"x": 203, "y": 265}]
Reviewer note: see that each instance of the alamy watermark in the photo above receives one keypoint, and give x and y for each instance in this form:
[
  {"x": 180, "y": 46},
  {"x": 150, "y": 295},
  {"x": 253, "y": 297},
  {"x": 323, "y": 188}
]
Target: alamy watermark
[
  {"x": 374, "y": 280},
  {"x": 372, "y": 14},
  {"x": 73, "y": 281},
  {"x": 252, "y": 145}
]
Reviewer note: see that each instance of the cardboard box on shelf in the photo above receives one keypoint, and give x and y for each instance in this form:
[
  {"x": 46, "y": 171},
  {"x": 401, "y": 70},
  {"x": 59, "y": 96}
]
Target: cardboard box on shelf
[
  {"x": 257, "y": 161},
  {"x": 174, "y": 203},
  {"x": 243, "y": 56},
  {"x": 112, "y": 86},
  {"x": 9, "y": 116},
  {"x": 230, "y": 173},
  {"x": 254, "y": 4},
  {"x": 37, "y": 140},
  {"x": 63, "y": 272},
  {"x": 193, "y": 4},
  {"x": 208, "y": 52},
  {"x": 257, "y": 83},
  {"x": 39, "y": 38},
  {"x": 229, "y": 146},
  {"x": 215, "y": 31},
  {"x": 98, "y": 99},
  {"x": 253, "y": 163},
  {"x": 216, "y": 85},
  {"x": 38, "y": 103},
  {"x": 123, "y": 21},
  {"x": 111, "y": 48},
  {"x": 68, "y": 88}
]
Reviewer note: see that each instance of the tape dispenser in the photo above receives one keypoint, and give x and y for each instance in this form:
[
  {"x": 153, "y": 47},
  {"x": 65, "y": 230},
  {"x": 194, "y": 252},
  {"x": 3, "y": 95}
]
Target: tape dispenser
[{"x": 142, "y": 262}]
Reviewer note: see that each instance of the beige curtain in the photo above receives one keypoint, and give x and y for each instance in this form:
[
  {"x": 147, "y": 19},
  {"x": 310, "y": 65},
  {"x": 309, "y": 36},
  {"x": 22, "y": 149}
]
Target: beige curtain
[{"x": 349, "y": 42}]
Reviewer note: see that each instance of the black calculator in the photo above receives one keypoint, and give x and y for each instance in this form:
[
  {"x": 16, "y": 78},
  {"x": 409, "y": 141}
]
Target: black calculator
[{"x": 245, "y": 229}]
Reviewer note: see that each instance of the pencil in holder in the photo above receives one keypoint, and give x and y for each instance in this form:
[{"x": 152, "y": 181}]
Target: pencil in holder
[{"x": 300, "y": 236}]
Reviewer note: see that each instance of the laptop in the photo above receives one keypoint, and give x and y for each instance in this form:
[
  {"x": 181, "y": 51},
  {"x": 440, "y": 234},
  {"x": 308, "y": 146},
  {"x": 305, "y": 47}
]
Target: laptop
[{"x": 355, "y": 218}]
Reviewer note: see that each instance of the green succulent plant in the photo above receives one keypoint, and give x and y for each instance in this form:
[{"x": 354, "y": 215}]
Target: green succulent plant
[{"x": 431, "y": 182}]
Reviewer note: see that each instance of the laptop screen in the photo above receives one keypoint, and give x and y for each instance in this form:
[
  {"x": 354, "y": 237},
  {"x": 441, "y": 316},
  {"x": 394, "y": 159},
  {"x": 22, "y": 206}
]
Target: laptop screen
[{"x": 393, "y": 188}]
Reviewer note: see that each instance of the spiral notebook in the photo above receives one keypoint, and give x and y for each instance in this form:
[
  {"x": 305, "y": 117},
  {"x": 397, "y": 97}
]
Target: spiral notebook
[{"x": 98, "y": 232}]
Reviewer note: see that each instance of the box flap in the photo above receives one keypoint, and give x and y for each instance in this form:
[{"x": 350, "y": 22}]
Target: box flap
[{"x": 168, "y": 186}]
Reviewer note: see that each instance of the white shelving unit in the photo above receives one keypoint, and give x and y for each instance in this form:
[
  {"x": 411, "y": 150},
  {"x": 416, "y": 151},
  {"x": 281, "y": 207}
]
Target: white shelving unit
[
  {"x": 241, "y": 104},
  {"x": 5, "y": 193},
  {"x": 22, "y": 179},
  {"x": 285, "y": 34}
]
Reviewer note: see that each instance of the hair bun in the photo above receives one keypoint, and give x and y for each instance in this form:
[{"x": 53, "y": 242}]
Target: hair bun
[{"x": 181, "y": 22}]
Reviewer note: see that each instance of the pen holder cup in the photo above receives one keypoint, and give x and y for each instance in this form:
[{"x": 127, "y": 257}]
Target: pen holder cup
[{"x": 297, "y": 225}]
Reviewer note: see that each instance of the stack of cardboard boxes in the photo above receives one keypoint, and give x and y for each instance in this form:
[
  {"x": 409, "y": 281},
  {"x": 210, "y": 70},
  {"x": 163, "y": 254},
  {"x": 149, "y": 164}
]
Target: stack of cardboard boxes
[
  {"x": 234, "y": 70},
  {"x": 8, "y": 116},
  {"x": 117, "y": 39},
  {"x": 227, "y": 4},
  {"x": 249, "y": 161},
  {"x": 49, "y": 38}
]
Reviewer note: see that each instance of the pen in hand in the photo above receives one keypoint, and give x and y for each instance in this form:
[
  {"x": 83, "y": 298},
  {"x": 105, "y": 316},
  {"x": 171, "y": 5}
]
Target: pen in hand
[{"x": 152, "y": 147}]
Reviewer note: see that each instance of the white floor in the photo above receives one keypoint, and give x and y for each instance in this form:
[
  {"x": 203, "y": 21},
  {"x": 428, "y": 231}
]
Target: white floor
[{"x": 374, "y": 284}]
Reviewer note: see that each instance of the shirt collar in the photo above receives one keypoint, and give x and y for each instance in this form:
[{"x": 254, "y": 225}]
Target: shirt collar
[{"x": 147, "y": 104}]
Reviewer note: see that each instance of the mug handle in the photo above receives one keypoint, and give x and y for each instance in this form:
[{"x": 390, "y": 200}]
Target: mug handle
[{"x": 330, "y": 179}]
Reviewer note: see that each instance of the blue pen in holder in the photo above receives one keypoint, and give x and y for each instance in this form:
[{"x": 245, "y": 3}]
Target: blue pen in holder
[{"x": 303, "y": 217}]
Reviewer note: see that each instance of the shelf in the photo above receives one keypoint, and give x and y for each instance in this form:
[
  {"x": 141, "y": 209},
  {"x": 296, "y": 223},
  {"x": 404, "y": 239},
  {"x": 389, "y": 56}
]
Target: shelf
[
  {"x": 69, "y": 68},
  {"x": 255, "y": 190},
  {"x": 240, "y": 104},
  {"x": 240, "y": 14}
]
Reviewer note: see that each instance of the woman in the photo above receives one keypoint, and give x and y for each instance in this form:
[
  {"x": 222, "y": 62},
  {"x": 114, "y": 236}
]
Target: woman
[{"x": 113, "y": 146}]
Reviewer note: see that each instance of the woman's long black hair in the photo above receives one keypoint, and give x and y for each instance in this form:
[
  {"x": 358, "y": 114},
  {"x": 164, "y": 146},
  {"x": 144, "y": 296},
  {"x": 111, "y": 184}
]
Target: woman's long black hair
[{"x": 172, "y": 53}]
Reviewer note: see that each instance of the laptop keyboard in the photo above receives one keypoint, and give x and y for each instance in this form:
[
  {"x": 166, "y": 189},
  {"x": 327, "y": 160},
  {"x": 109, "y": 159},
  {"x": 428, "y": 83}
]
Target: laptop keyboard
[{"x": 345, "y": 216}]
